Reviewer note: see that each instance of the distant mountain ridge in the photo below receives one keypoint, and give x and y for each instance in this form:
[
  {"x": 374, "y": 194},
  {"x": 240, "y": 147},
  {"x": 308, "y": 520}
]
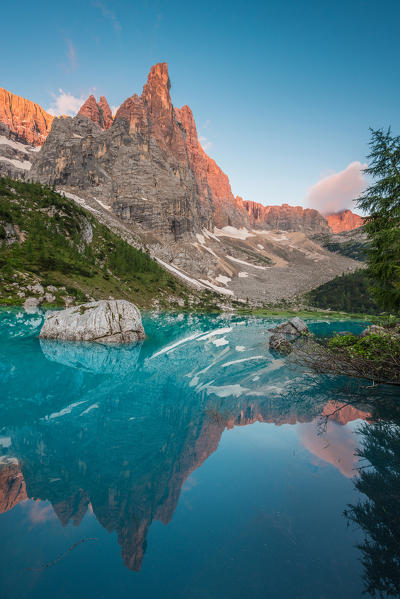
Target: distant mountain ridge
[
  {"x": 163, "y": 162},
  {"x": 345, "y": 220}
]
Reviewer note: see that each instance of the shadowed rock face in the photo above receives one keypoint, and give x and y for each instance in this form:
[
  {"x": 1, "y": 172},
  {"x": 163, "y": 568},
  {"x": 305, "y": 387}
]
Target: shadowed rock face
[
  {"x": 128, "y": 172},
  {"x": 15, "y": 154},
  {"x": 25, "y": 118}
]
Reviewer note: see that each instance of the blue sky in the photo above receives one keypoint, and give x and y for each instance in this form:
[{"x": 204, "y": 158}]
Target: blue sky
[{"x": 283, "y": 93}]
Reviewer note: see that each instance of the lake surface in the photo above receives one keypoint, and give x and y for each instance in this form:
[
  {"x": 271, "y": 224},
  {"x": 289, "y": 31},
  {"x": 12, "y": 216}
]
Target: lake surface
[{"x": 195, "y": 465}]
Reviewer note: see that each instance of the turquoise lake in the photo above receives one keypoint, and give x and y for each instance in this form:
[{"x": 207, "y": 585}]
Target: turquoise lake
[{"x": 195, "y": 465}]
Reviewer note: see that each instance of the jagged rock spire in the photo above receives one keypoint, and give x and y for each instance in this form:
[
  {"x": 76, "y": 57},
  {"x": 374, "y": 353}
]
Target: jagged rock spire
[{"x": 99, "y": 113}]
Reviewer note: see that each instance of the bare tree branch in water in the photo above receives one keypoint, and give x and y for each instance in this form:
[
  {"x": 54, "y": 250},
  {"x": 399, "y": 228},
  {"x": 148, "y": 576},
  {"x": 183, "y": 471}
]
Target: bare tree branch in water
[
  {"x": 49, "y": 564},
  {"x": 381, "y": 367}
]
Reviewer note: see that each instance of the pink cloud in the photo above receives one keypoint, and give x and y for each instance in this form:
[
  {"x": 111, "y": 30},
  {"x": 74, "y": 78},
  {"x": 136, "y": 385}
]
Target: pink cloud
[
  {"x": 337, "y": 192},
  {"x": 337, "y": 446},
  {"x": 39, "y": 513}
]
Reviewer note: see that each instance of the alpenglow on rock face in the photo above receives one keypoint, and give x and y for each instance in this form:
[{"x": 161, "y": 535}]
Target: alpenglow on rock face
[
  {"x": 104, "y": 321},
  {"x": 29, "y": 121},
  {"x": 345, "y": 220},
  {"x": 98, "y": 112},
  {"x": 148, "y": 166}
]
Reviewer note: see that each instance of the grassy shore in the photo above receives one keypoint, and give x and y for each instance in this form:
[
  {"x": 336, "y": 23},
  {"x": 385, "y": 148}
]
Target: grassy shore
[{"x": 313, "y": 314}]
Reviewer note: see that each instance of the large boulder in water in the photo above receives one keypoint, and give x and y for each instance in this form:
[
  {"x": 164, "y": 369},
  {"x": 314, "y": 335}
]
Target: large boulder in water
[
  {"x": 285, "y": 333},
  {"x": 104, "y": 321},
  {"x": 295, "y": 326}
]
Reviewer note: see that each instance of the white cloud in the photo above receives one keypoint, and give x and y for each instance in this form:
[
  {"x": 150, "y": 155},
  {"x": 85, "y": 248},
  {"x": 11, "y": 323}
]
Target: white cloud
[
  {"x": 205, "y": 143},
  {"x": 108, "y": 14},
  {"x": 114, "y": 109},
  {"x": 65, "y": 103},
  {"x": 71, "y": 53},
  {"x": 337, "y": 191}
]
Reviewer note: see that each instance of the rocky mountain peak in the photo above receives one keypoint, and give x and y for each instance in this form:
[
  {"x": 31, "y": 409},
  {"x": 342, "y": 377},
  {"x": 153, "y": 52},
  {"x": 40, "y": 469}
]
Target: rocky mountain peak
[
  {"x": 148, "y": 164},
  {"x": 133, "y": 111},
  {"x": 185, "y": 116},
  {"x": 106, "y": 112},
  {"x": 98, "y": 112},
  {"x": 213, "y": 183},
  {"x": 156, "y": 94},
  {"x": 163, "y": 124},
  {"x": 158, "y": 78}
]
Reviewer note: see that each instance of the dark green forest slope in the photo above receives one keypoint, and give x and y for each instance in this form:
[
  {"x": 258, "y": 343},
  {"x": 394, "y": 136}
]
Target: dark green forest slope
[
  {"x": 348, "y": 292},
  {"x": 49, "y": 241}
]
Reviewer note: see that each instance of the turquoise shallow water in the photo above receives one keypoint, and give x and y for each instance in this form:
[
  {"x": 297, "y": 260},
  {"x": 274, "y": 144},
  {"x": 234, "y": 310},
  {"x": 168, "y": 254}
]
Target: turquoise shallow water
[{"x": 195, "y": 465}]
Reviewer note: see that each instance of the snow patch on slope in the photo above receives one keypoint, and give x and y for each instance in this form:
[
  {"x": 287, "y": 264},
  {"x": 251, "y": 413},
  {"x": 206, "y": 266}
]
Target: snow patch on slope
[
  {"x": 247, "y": 263},
  {"x": 233, "y": 232},
  {"x": 22, "y": 164},
  {"x": 16, "y": 145}
]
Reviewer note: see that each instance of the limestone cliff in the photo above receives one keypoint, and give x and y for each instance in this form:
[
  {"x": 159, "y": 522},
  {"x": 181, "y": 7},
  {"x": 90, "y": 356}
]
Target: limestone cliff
[
  {"x": 213, "y": 184},
  {"x": 139, "y": 166},
  {"x": 285, "y": 217},
  {"x": 147, "y": 165},
  {"x": 25, "y": 118},
  {"x": 345, "y": 220}
]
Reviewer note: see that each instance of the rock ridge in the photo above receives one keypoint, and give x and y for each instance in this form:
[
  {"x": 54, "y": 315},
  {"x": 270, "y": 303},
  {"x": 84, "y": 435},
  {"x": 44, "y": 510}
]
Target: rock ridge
[
  {"x": 345, "y": 220},
  {"x": 98, "y": 112},
  {"x": 147, "y": 165}
]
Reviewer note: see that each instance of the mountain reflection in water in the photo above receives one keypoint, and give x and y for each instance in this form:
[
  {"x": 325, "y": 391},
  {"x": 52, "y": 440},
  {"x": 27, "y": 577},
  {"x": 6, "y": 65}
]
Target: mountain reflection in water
[{"x": 119, "y": 430}]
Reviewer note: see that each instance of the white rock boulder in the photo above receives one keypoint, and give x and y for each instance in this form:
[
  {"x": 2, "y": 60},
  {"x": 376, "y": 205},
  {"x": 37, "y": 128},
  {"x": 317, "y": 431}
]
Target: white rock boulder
[
  {"x": 104, "y": 321},
  {"x": 31, "y": 304}
]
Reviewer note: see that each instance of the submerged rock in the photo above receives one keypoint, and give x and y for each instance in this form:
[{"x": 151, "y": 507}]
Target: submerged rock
[
  {"x": 285, "y": 333},
  {"x": 96, "y": 358},
  {"x": 104, "y": 321}
]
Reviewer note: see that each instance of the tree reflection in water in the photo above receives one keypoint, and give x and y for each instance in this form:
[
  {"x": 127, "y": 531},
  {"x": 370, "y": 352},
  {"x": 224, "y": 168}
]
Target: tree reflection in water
[{"x": 379, "y": 514}]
